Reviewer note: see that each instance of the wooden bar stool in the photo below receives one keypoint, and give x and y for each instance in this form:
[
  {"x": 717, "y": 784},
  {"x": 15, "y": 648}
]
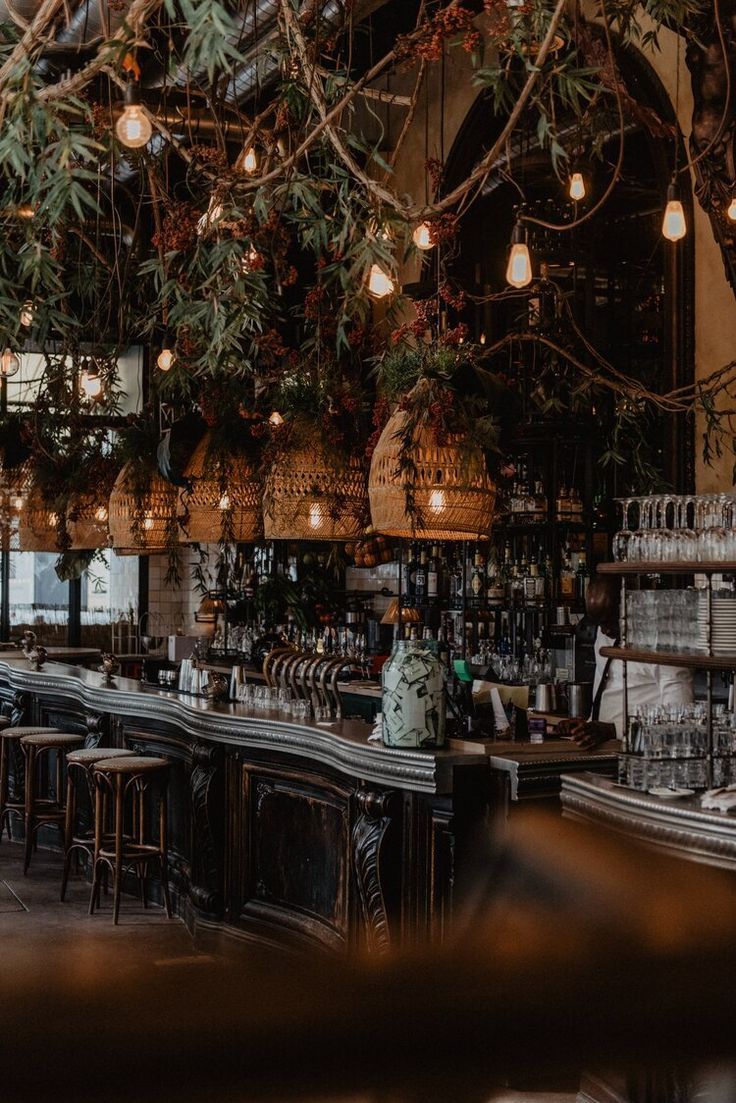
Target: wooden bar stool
[
  {"x": 38, "y": 811},
  {"x": 121, "y": 777},
  {"x": 9, "y": 738},
  {"x": 80, "y": 764}
]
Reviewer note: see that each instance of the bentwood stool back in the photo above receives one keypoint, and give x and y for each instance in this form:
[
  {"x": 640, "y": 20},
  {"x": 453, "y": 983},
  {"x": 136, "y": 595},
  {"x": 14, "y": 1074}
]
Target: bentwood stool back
[
  {"x": 37, "y": 810},
  {"x": 79, "y": 766},
  {"x": 129, "y": 781},
  {"x": 10, "y": 738}
]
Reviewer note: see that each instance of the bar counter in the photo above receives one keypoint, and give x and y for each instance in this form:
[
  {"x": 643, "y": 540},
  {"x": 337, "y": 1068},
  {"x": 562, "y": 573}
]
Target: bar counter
[
  {"x": 280, "y": 830},
  {"x": 679, "y": 826}
]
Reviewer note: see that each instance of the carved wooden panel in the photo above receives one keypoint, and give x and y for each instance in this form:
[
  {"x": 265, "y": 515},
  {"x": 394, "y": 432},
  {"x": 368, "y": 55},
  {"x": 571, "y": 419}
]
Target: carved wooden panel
[{"x": 296, "y": 850}]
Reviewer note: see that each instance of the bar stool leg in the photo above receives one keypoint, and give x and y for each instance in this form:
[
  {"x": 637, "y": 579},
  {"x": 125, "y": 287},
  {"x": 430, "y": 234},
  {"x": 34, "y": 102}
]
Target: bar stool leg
[
  {"x": 30, "y": 797},
  {"x": 118, "y": 874},
  {"x": 4, "y": 787},
  {"x": 69, "y": 821},
  {"x": 163, "y": 843},
  {"x": 100, "y": 804}
]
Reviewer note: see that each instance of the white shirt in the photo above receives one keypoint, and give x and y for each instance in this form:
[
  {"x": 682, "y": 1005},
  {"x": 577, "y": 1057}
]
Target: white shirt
[{"x": 648, "y": 684}]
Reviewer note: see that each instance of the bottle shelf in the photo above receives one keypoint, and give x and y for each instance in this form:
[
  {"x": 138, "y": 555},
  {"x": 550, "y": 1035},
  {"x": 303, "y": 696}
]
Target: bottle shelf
[
  {"x": 671, "y": 658},
  {"x": 680, "y": 567}
]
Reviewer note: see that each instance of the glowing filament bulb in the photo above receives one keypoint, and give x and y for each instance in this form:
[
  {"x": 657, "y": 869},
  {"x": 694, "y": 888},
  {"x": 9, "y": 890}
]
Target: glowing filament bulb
[
  {"x": 422, "y": 236},
  {"x": 165, "y": 359},
  {"x": 224, "y": 502},
  {"x": 380, "y": 283},
  {"x": 148, "y": 523},
  {"x": 315, "y": 516},
  {"x": 519, "y": 269},
  {"x": 90, "y": 383},
  {"x": 133, "y": 128},
  {"x": 101, "y": 514},
  {"x": 276, "y": 419},
  {"x": 674, "y": 226},
  {"x": 731, "y": 212},
  {"x": 437, "y": 501},
  {"x": 577, "y": 187},
  {"x": 250, "y": 161},
  {"x": 9, "y": 364},
  {"x": 27, "y": 312}
]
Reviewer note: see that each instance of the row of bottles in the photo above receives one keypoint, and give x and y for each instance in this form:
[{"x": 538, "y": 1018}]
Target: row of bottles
[
  {"x": 434, "y": 576},
  {"x": 527, "y": 500}
]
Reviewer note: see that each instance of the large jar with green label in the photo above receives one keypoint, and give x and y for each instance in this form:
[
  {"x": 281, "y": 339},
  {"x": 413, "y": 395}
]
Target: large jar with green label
[{"x": 413, "y": 697}]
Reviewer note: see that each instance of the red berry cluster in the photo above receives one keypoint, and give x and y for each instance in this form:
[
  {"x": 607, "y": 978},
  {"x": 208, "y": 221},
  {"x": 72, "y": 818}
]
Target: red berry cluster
[
  {"x": 178, "y": 230},
  {"x": 453, "y": 297},
  {"x": 455, "y": 336},
  {"x": 435, "y": 168},
  {"x": 444, "y": 228},
  {"x": 428, "y": 42}
]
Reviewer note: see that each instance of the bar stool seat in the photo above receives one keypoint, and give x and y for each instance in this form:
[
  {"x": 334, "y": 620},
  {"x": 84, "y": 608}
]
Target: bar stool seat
[
  {"x": 38, "y": 811},
  {"x": 82, "y": 762},
  {"x": 9, "y": 735},
  {"x": 121, "y": 777}
]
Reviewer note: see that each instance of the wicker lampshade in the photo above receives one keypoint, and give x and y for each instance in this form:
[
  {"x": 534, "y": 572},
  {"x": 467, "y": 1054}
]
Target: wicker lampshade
[
  {"x": 218, "y": 489},
  {"x": 139, "y": 526},
  {"x": 453, "y": 492},
  {"x": 86, "y": 523},
  {"x": 38, "y": 525},
  {"x": 308, "y": 498}
]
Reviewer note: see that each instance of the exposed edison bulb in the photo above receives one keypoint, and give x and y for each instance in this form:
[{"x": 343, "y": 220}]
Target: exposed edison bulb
[
  {"x": 52, "y": 520},
  {"x": 674, "y": 226},
  {"x": 380, "y": 283},
  {"x": 422, "y": 237},
  {"x": 315, "y": 516},
  {"x": 250, "y": 161},
  {"x": 519, "y": 267},
  {"x": 148, "y": 523},
  {"x": 165, "y": 359},
  {"x": 731, "y": 212},
  {"x": 577, "y": 187},
  {"x": 133, "y": 128},
  {"x": 276, "y": 419},
  {"x": 101, "y": 514},
  {"x": 17, "y": 503},
  {"x": 437, "y": 501},
  {"x": 90, "y": 383},
  {"x": 9, "y": 364},
  {"x": 27, "y": 312},
  {"x": 224, "y": 502}
]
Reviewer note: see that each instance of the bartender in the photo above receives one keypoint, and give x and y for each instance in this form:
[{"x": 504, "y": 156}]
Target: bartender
[{"x": 647, "y": 683}]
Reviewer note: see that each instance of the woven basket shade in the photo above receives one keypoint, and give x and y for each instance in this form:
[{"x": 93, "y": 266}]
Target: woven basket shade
[
  {"x": 38, "y": 525},
  {"x": 453, "y": 492},
  {"x": 235, "y": 491},
  {"x": 308, "y": 498},
  {"x": 86, "y": 522},
  {"x": 14, "y": 489},
  {"x": 156, "y": 508}
]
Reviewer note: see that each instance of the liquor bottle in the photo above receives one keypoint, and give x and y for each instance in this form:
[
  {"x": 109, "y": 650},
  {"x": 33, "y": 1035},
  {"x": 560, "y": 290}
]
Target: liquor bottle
[
  {"x": 567, "y": 576},
  {"x": 477, "y": 582},
  {"x": 540, "y": 582},
  {"x": 410, "y": 575},
  {"x": 457, "y": 581},
  {"x": 530, "y": 582},
  {"x": 582, "y": 577},
  {"x": 494, "y": 580},
  {"x": 420, "y": 579},
  {"x": 563, "y": 504},
  {"x": 539, "y": 512},
  {"x": 433, "y": 580}
]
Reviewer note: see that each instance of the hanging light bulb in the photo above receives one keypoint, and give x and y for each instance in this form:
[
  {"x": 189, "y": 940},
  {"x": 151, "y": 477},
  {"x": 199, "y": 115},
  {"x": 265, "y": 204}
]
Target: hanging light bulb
[
  {"x": 166, "y": 357},
  {"x": 90, "y": 382},
  {"x": 27, "y": 312},
  {"x": 731, "y": 212},
  {"x": 276, "y": 419},
  {"x": 315, "y": 516},
  {"x": 133, "y": 128},
  {"x": 380, "y": 283},
  {"x": 437, "y": 501},
  {"x": 101, "y": 514},
  {"x": 224, "y": 502},
  {"x": 577, "y": 187},
  {"x": 674, "y": 226},
  {"x": 519, "y": 267},
  {"x": 422, "y": 237},
  {"x": 250, "y": 161},
  {"x": 9, "y": 364}
]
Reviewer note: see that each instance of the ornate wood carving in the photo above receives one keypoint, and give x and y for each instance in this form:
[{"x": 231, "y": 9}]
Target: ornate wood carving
[
  {"x": 368, "y": 834},
  {"x": 20, "y": 704},
  {"x": 714, "y": 124},
  {"x": 205, "y": 890},
  {"x": 95, "y": 723}
]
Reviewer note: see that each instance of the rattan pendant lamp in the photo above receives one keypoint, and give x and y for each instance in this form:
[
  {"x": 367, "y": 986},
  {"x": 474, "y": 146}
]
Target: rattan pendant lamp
[
  {"x": 453, "y": 494},
  {"x": 310, "y": 496},
  {"x": 141, "y": 510},
  {"x": 38, "y": 525},
  {"x": 87, "y": 521},
  {"x": 225, "y": 499}
]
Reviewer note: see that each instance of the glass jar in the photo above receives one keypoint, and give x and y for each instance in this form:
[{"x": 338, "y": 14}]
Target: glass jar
[{"x": 413, "y": 696}]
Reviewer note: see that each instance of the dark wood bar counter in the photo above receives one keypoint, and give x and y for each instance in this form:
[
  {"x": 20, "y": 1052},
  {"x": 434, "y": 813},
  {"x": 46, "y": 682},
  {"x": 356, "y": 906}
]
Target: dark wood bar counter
[{"x": 281, "y": 830}]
